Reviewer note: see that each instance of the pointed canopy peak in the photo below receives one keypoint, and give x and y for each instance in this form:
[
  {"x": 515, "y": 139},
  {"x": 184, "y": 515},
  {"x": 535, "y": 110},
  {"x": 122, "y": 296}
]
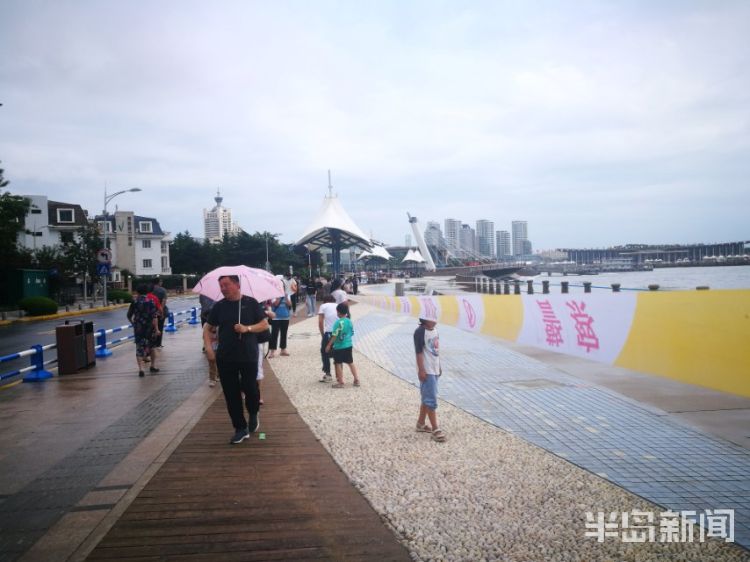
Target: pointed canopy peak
[{"x": 333, "y": 225}]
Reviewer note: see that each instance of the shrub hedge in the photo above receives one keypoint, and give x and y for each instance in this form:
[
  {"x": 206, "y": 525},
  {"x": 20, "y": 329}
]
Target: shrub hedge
[
  {"x": 116, "y": 294},
  {"x": 38, "y": 306}
]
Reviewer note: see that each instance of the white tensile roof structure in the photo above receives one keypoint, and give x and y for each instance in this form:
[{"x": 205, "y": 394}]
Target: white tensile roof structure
[
  {"x": 332, "y": 224},
  {"x": 333, "y": 228},
  {"x": 413, "y": 255},
  {"x": 376, "y": 252}
]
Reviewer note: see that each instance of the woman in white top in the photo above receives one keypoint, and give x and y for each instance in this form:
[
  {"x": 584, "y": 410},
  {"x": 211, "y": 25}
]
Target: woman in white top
[{"x": 338, "y": 293}]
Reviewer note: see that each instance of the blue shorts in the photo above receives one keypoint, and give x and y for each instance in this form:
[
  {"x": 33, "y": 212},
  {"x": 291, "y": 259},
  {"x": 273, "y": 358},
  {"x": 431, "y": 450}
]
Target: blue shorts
[{"x": 428, "y": 390}]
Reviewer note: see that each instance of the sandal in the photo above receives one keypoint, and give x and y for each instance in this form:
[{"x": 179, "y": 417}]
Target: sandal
[
  {"x": 338, "y": 385},
  {"x": 356, "y": 383},
  {"x": 424, "y": 428},
  {"x": 438, "y": 435}
]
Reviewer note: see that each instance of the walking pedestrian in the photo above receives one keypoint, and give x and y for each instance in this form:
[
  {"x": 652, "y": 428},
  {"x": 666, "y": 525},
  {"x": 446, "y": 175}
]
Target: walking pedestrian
[
  {"x": 279, "y": 325},
  {"x": 161, "y": 293},
  {"x": 327, "y": 317},
  {"x": 427, "y": 348},
  {"x": 142, "y": 314},
  {"x": 237, "y": 319},
  {"x": 310, "y": 291},
  {"x": 341, "y": 342},
  {"x": 263, "y": 338}
]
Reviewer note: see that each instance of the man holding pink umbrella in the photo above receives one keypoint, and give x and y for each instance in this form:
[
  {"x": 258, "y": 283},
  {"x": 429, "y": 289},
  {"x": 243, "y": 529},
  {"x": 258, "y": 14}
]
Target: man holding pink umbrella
[{"x": 237, "y": 319}]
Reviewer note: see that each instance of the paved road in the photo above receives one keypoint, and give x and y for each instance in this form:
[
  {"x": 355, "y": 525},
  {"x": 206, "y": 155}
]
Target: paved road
[{"x": 22, "y": 335}]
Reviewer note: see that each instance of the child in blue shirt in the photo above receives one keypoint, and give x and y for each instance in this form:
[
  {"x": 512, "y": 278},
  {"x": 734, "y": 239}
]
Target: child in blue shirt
[{"x": 341, "y": 342}]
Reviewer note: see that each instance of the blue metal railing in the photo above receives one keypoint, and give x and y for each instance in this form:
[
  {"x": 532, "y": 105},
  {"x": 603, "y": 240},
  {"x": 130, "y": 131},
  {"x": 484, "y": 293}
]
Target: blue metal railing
[{"x": 37, "y": 369}]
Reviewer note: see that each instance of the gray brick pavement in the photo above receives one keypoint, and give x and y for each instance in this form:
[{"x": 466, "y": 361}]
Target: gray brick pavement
[
  {"x": 28, "y": 514},
  {"x": 672, "y": 465}
]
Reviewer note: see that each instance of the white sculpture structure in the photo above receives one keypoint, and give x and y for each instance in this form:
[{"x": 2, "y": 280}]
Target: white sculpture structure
[{"x": 429, "y": 264}]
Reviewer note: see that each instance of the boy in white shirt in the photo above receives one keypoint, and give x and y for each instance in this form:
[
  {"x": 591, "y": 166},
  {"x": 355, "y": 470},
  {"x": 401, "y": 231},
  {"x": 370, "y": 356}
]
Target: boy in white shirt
[
  {"x": 327, "y": 316},
  {"x": 427, "y": 348}
]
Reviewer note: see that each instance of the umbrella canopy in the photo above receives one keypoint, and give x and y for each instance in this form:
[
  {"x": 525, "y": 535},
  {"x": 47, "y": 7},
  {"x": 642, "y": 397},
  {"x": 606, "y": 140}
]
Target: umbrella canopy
[{"x": 256, "y": 283}]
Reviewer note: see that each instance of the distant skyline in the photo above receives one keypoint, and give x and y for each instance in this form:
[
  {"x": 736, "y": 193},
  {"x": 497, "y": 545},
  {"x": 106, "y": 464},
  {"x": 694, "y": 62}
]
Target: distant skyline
[{"x": 599, "y": 123}]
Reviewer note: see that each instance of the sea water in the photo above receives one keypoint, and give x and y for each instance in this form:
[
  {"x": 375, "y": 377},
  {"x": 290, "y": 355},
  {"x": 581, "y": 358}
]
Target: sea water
[{"x": 668, "y": 279}]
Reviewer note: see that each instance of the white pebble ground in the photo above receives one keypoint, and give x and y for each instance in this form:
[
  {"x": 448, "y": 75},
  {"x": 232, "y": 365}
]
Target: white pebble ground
[{"x": 484, "y": 494}]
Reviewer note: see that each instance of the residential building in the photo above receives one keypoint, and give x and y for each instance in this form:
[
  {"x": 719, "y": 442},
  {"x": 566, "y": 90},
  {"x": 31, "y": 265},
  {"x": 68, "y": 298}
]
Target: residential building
[
  {"x": 138, "y": 244},
  {"x": 50, "y": 223},
  {"x": 218, "y": 221},
  {"x": 486, "y": 238},
  {"x": 520, "y": 235},
  {"x": 452, "y": 230},
  {"x": 504, "y": 248},
  {"x": 433, "y": 236},
  {"x": 467, "y": 239}
]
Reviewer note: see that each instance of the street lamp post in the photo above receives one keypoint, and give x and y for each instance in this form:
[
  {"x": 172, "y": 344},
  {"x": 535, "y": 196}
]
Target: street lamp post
[
  {"x": 107, "y": 199},
  {"x": 268, "y": 263}
]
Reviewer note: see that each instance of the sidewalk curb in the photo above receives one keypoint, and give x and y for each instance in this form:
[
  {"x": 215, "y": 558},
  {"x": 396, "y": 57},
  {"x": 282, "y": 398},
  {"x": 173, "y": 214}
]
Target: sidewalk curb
[{"x": 63, "y": 314}]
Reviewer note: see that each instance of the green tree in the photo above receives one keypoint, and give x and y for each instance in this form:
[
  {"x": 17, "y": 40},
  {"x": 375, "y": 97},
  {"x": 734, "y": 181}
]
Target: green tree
[
  {"x": 13, "y": 209},
  {"x": 79, "y": 256},
  {"x": 187, "y": 255}
]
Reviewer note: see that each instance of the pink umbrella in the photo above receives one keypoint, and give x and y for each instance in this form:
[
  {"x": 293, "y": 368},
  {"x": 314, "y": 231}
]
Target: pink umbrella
[{"x": 256, "y": 283}]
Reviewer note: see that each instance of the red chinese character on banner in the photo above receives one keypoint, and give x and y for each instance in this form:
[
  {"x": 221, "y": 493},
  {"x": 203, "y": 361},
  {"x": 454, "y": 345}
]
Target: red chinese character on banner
[
  {"x": 552, "y": 326},
  {"x": 586, "y": 336}
]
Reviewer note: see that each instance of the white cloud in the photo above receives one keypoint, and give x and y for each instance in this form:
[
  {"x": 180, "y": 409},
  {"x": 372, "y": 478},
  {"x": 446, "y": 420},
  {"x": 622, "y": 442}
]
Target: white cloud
[{"x": 583, "y": 120}]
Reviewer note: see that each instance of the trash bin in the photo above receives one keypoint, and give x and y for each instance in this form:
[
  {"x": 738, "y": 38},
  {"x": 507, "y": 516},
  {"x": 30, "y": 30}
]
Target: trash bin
[{"x": 75, "y": 347}]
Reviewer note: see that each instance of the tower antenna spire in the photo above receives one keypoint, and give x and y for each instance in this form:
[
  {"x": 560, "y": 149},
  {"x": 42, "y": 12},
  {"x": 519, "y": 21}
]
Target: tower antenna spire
[{"x": 330, "y": 185}]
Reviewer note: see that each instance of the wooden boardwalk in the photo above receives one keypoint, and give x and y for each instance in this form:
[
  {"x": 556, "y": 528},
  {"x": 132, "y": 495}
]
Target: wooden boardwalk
[{"x": 280, "y": 498}]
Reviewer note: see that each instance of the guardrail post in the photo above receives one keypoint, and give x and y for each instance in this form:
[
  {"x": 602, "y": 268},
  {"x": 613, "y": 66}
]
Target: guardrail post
[
  {"x": 101, "y": 341},
  {"x": 587, "y": 286},
  {"x": 615, "y": 287},
  {"x": 476, "y": 284},
  {"x": 653, "y": 287},
  {"x": 194, "y": 316},
  {"x": 530, "y": 287},
  {"x": 171, "y": 327},
  {"x": 506, "y": 288},
  {"x": 545, "y": 287},
  {"x": 37, "y": 361},
  {"x": 564, "y": 286},
  {"x": 516, "y": 287}
]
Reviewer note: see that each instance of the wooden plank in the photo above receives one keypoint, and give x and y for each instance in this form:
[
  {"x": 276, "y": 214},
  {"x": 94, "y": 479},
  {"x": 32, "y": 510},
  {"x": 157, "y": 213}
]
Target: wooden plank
[{"x": 279, "y": 499}]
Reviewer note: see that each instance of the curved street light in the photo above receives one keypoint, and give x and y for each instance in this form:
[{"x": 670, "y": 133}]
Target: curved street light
[{"x": 107, "y": 199}]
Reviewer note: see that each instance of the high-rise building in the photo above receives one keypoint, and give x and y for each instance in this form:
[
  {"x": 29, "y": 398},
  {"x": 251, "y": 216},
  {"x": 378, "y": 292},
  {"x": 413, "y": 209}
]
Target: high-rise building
[
  {"x": 218, "y": 221},
  {"x": 467, "y": 239},
  {"x": 433, "y": 235},
  {"x": 452, "y": 230},
  {"x": 486, "y": 238},
  {"x": 520, "y": 234},
  {"x": 504, "y": 248}
]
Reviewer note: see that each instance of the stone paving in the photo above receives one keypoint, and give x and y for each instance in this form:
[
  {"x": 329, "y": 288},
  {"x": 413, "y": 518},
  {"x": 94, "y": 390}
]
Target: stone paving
[
  {"x": 670, "y": 464},
  {"x": 106, "y": 413}
]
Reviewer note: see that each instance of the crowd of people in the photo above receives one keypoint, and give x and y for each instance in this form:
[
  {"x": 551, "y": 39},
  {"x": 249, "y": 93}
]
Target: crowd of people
[{"x": 239, "y": 332}]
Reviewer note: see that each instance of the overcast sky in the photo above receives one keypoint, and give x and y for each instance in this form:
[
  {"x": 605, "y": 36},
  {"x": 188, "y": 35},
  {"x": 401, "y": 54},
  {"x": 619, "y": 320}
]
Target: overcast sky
[{"x": 597, "y": 122}]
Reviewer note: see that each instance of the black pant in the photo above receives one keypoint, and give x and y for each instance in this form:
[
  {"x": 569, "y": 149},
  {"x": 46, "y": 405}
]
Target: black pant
[
  {"x": 323, "y": 355},
  {"x": 278, "y": 326},
  {"x": 237, "y": 377},
  {"x": 293, "y": 298}
]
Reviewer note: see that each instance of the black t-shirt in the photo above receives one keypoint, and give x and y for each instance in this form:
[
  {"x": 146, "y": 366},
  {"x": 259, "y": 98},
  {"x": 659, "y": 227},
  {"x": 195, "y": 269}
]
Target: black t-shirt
[{"x": 233, "y": 346}]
